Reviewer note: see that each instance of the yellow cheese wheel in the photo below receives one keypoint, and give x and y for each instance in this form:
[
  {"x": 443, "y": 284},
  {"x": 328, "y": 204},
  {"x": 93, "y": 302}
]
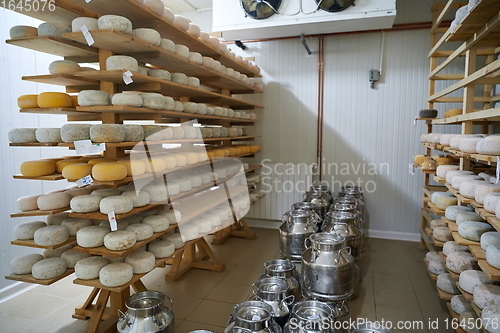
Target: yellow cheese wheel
[
  {"x": 180, "y": 160},
  {"x": 28, "y": 101},
  {"x": 452, "y": 113},
  {"x": 134, "y": 167},
  {"x": 154, "y": 164},
  {"x": 202, "y": 157},
  {"x": 109, "y": 171},
  {"x": 226, "y": 152},
  {"x": 232, "y": 151},
  {"x": 254, "y": 149},
  {"x": 100, "y": 160},
  {"x": 444, "y": 160},
  {"x": 191, "y": 158},
  {"x": 86, "y": 158},
  {"x": 77, "y": 171},
  {"x": 54, "y": 100},
  {"x": 74, "y": 100},
  {"x": 170, "y": 162},
  {"x": 219, "y": 153},
  {"x": 64, "y": 163},
  {"x": 55, "y": 160},
  {"x": 246, "y": 149},
  {"x": 38, "y": 168},
  {"x": 239, "y": 151},
  {"x": 210, "y": 154},
  {"x": 418, "y": 159}
]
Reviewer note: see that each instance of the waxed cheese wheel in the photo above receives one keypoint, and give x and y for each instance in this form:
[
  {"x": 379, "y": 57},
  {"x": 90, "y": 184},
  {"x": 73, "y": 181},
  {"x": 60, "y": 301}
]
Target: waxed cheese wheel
[
  {"x": 161, "y": 248},
  {"x": 179, "y": 78},
  {"x": 459, "y": 304},
  {"x": 442, "y": 170},
  {"x": 452, "y": 211},
  {"x": 437, "y": 266},
  {"x": 91, "y": 236},
  {"x": 75, "y": 132},
  {"x": 56, "y": 219},
  {"x": 89, "y": 22},
  {"x": 24, "y": 264},
  {"x": 133, "y": 133},
  {"x": 89, "y": 268},
  {"x": 64, "y": 67},
  {"x": 486, "y": 295},
  {"x": 23, "y": 135},
  {"x": 109, "y": 171},
  {"x": 451, "y": 174},
  {"x": 159, "y": 73},
  {"x": 461, "y": 261},
  {"x": 120, "y": 62},
  {"x": 148, "y": 35},
  {"x": 53, "y": 29},
  {"x": 468, "y": 187},
  {"x": 139, "y": 199},
  {"x": 49, "y": 268},
  {"x": 157, "y": 193},
  {"x": 490, "y": 238},
  {"x": 127, "y": 99},
  {"x": 51, "y": 235},
  {"x": 153, "y": 101},
  {"x": 106, "y": 192},
  {"x": 21, "y": 31},
  {"x": 442, "y": 234},
  {"x": 85, "y": 203},
  {"x": 470, "y": 279},
  {"x": 73, "y": 256},
  {"x": 54, "y": 100},
  {"x": 167, "y": 44},
  {"x": 468, "y": 216},
  {"x": 446, "y": 284},
  {"x": 93, "y": 98},
  {"x": 493, "y": 255},
  {"x": 176, "y": 239},
  {"x": 142, "y": 231},
  {"x": 152, "y": 132},
  {"x": 115, "y": 22},
  {"x": 154, "y": 165},
  {"x": 119, "y": 240},
  {"x": 473, "y": 230},
  {"x": 490, "y": 316},
  {"x": 483, "y": 190},
  {"x": 141, "y": 261},
  {"x": 116, "y": 274},
  {"x": 51, "y": 201},
  {"x": 76, "y": 171},
  {"x": 452, "y": 246},
  {"x": 26, "y": 231},
  {"x": 27, "y": 203},
  {"x": 37, "y": 168},
  {"x": 48, "y": 135},
  {"x": 118, "y": 204},
  {"x": 74, "y": 224},
  {"x": 437, "y": 223},
  {"x": 444, "y": 202},
  {"x": 159, "y": 223}
]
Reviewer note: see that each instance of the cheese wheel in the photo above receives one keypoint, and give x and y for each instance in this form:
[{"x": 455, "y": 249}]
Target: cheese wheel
[
  {"x": 89, "y": 22},
  {"x": 120, "y": 62},
  {"x": 174, "y": 187},
  {"x": 224, "y": 133},
  {"x": 139, "y": 199},
  {"x": 490, "y": 145},
  {"x": 127, "y": 99},
  {"x": 483, "y": 190},
  {"x": 51, "y": 235},
  {"x": 456, "y": 141},
  {"x": 208, "y": 62},
  {"x": 194, "y": 82},
  {"x": 153, "y": 101},
  {"x": 180, "y": 160},
  {"x": 53, "y": 29},
  {"x": 459, "y": 304},
  {"x": 176, "y": 239},
  {"x": 170, "y": 162},
  {"x": 64, "y": 67},
  {"x": 204, "y": 37},
  {"x": 472, "y": 230},
  {"x": 92, "y": 98},
  {"x": 169, "y": 103},
  {"x": 486, "y": 295},
  {"x": 54, "y": 100},
  {"x": 117, "y": 203},
  {"x": 436, "y": 195},
  {"x": 51, "y": 201},
  {"x": 56, "y": 219},
  {"x": 167, "y": 44},
  {"x": 181, "y": 22},
  {"x": 159, "y": 223},
  {"x": 74, "y": 224},
  {"x": 437, "y": 267},
  {"x": 154, "y": 165},
  {"x": 161, "y": 248},
  {"x": 75, "y": 132},
  {"x": 450, "y": 175},
  {"x": 48, "y": 135},
  {"x": 168, "y": 15},
  {"x": 468, "y": 216},
  {"x": 73, "y": 256},
  {"x": 91, "y": 236},
  {"x": 452, "y": 211},
  {"x": 109, "y": 171},
  {"x": 106, "y": 192},
  {"x": 446, "y": 284},
  {"x": 493, "y": 255},
  {"x": 445, "y": 202},
  {"x": 27, "y": 203},
  {"x": 26, "y": 231},
  {"x": 38, "y": 168},
  {"x": 182, "y": 51},
  {"x": 28, "y": 101},
  {"x": 491, "y": 314},
  {"x": 142, "y": 231},
  {"x": 85, "y": 203},
  {"x": 24, "y": 264},
  {"x": 470, "y": 279},
  {"x": 133, "y": 133},
  {"x": 444, "y": 140},
  {"x": 134, "y": 167},
  {"x": 467, "y": 188},
  {"x": 178, "y": 106},
  {"x": 21, "y": 31},
  {"x": 152, "y": 132},
  {"x": 180, "y": 78},
  {"x": 214, "y": 42},
  {"x": 452, "y": 246},
  {"x": 196, "y": 58},
  {"x": 460, "y": 261},
  {"x": 76, "y": 171},
  {"x": 452, "y": 113},
  {"x": 468, "y": 145},
  {"x": 188, "y": 231},
  {"x": 89, "y": 268},
  {"x": 490, "y": 238},
  {"x": 191, "y": 158},
  {"x": 107, "y": 133},
  {"x": 166, "y": 133},
  {"x": 49, "y": 268},
  {"x": 119, "y": 240},
  {"x": 442, "y": 170},
  {"x": 468, "y": 319},
  {"x": 190, "y": 107},
  {"x": 116, "y": 274},
  {"x": 442, "y": 234},
  {"x": 148, "y": 35},
  {"x": 194, "y": 30},
  {"x": 159, "y": 73},
  {"x": 115, "y": 22},
  {"x": 23, "y": 135},
  {"x": 141, "y": 261}
]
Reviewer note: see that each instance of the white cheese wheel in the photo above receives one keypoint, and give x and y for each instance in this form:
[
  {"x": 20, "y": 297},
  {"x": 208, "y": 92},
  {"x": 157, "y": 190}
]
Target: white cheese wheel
[
  {"x": 167, "y": 14},
  {"x": 174, "y": 216},
  {"x": 107, "y": 133},
  {"x": 156, "y": 6},
  {"x": 189, "y": 231},
  {"x": 119, "y": 240},
  {"x": 493, "y": 255},
  {"x": 142, "y": 231},
  {"x": 74, "y": 224},
  {"x": 470, "y": 279},
  {"x": 460, "y": 261},
  {"x": 73, "y": 256},
  {"x": 89, "y": 22},
  {"x": 159, "y": 223},
  {"x": 208, "y": 62},
  {"x": 194, "y": 82},
  {"x": 181, "y": 22},
  {"x": 190, "y": 107},
  {"x": 122, "y": 63},
  {"x": 436, "y": 195},
  {"x": 153, "y": 101},
  {"x": 486, "y": 295},
  {"x": 89, "y": 268},
  {"x": 161, "y": 248},
  {"x": 56, "y": 219},
  {"x": 468, "y": 320},
  {"x": 437, "y": 266},
  {"x": 174, "y": 187},
  {"x": 490, "y": 145},
  {"x": 75, "y": 132},
  {"x": 152, "y": 132},
  {"x": 22, "y": 135},
  {"x": 468, "y": 216},
  {"x": 64, "y": 67},
  {"x": 117, "y": 274},
  {"x": 148, "y": 35},
  {"x": 157, "y": 193},
  {"x": 444, "y": 140},
  {"x": 483, "y": 190},
  {"x": 444, "y": 202},
  {"x": 92, "y": 236},
  {"x": 468, "y": 188},
  {"x": 133, "y": 133},
  {"x": 49, "y": 268},
  {"x": 452, "y": 173},
  {"x": 106, "y": 192},
  {"x": 457, "y": 180},
  {"x": 48, "y": 135},
  {"x": 490, "y": 238},
  {"x": 182, "y": 51},
  {"x": 169, "y": 103},
  {"x": 121, "y": 224},
  {"x": 167, "y": 44},
  {"x": 159, "y": 73},
  {"x": 115, "y": 22},
  {"x": 28, "y": 203},
  {"x": 179, "y": 78},
  {"x": 446, "y": 284},
  {"x": 26, "y": 231},
  {"x": 176, "y": 239},
  {"x": 139, "y": 199},
  {"x": 166, "y": 133},
  {"x": 85, "y": 203},
  {"x": 468, "y": 144},
  {"x": 452, "y": 246},
  {"x": 455, "y": 141},
  {"x": 442, "y": 234},
  {"x": 51, "y": 201},
  {"x": 459, "y": 304},
  {"x": 179, "y": 107},
  {"x": 194, "y": 30},
  {"x": 196, "y": 57},
  {"x": 452, "y": 211},
  {"x": 141, "y": 261},
  {"x": 473, "y": 230},
  {"x": 490, "y": 317},
  {"x": 442, "y": 170},
  {"x": 191, "y": 132},
  {"x": 93, "y": 98},
  {"x": 53, "y": 29},
  {"x": 117, "y": 203},
  {"x": 134, "y": 100},
  {"x": 24, "y": 264},
  {"x": 21, "y": 31}
]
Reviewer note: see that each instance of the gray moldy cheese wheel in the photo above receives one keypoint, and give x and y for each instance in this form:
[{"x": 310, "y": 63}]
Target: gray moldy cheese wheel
[
  {"x": 64, "y": 67},
  {"x": 161, "y": 248},
  {"x": 141, "y": 261},
  {"x": 468, "y": 216},
  {"x": 117, "y": 203},
  {"x": 490, "y": 202},
  {"x": 22, "y": 135},
  {"x": 169, "y": 103},
  {"x": 24, "y": 264},
  {"x": 437, "y": 223},
  {"x": 133, "y": 133},
  {"x": 49, "y": 268},
  {"x": 148, "y": 35},
  {"x": 106, "y": 192},
  {"x": 157, "y": 193},
  {"x": 48, "y": 135},
  {"x": 167, "y": 44},
  {"x": 452, "y": 211},
  {"x": 119, "y": 240},
  {"x": 85, "y": 203},
  {"x": 53, "y": 29},
  {"x": 159, "y": 73},
  {"x": 93, "y": 98},
  {"x": 51, "y": 235},
  {"x": 176, "y": 239},
  {"x": 490, "y": 317},
  {"x": 470, "y": 279},
  {"x": 442, "y": 234},
  {"x": 437, "y": 266},
  {"x": 468, "y": 188},
  {"x": 107, "y": 133},
  {"x": 27, "y": 203},
  {"x": 493, "y": 255},
  {"x": 89, "y": 268},
  {"x": 153, "y": 101},
  {"x": 461, "y": 261},
  {"x": 89, "y": 22},
  {"x": 483, "y": 190},
  {"x": 152, "y": 132},
  {"x": 452, "y": 246},
  {"x": 92, "y": 236},
  {"x": 142, "y": 231},
  {"x": 75, "y": 132},
  {"x": 459, "y": 304},
  {"x": 26, "y": 231},
  {"x": 139, "y": 199},
  {"x": 159, "y": 223},
  {"x": 179, "y": 78},
  {"x": 21, "y": 31},
  {"x": 182, "y": 51},
  {"x": 117, "y": 274},
  {"x": 196, "y": 57},
  {"x": 486, "y": 295},
  {"x": 446, "y": 284},
  {"x": 473, "y": 230},
  {"x": 124, "y": 63},
  {"x": 74, "y": 224},
  {"x": 73, "y": 256},
  {"x": 490, "y": 238},
  {"x": 115, "y": 22}
]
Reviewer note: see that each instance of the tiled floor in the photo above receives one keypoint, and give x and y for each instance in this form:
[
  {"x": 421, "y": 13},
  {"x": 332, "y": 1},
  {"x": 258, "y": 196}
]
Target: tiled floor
[{"x": 395, "y": 287}]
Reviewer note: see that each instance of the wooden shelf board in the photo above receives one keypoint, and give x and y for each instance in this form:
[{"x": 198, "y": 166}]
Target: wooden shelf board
[
  {"x": 453, "y": 226},
  {"x": 31, "y": 243},
  {"x": 495, "y": 223},
  {"x": 39, "y": 212},
  {"x": 427, "y": 240},
  {"x": 62, "y": 80},
  {"x": 482, "y": 115},
  {"x": 436, "y": 210},
  {"x": 492, "y": 273},
  {"x": 477, "y": 252},
  {"x": 53, "y": 177},
  {"x": 56, "y": 111},
  {"x": 443, "y": 295},
  {"x": 439, "y": 180},
  {"x": 454, "y": 276},
  {"x": 35, "y": 144},
  {"x": 462, "y": 241},
  {"x": 54, "y": 45},
  {"x": 483, "y": 12},
  {"x": 28, "y": 278},
  {"x": 431, "y": 275},
  {"x": 476, "y": 205},
  {"x": 477, "y": 310}
]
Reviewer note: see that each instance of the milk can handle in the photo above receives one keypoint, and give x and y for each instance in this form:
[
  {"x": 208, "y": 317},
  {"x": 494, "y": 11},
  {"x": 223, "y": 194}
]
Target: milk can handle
[
  {"x": 286, "y": 217},
  {"x": 305, "y": 243},
  {"x": 121, "y": 314},
  {"x": 289, "y": 300},
  {"x": 348, "y": 249},
  {"x": 171, "y": 302}
]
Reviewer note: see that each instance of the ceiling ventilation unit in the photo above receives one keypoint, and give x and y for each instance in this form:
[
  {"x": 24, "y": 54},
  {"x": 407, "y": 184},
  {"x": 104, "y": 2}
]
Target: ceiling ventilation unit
[
  {"x": 334, "y": 6},
  {"x": 260, "y": 9}
]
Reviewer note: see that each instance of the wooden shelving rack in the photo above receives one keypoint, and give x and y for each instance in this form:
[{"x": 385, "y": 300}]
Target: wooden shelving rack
[
  {"x": 479, "y": 36},
  {"x": 104, "y": 303}
]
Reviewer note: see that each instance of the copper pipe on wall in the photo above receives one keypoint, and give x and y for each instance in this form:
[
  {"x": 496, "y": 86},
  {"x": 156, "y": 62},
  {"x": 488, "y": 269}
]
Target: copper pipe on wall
[{"x": 321, "y": 90}]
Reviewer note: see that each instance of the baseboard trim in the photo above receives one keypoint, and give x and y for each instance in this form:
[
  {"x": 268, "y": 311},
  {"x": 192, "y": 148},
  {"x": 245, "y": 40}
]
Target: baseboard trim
[
  {"x": 14, "y": 290},
  {"x": 394, "y": 235}
]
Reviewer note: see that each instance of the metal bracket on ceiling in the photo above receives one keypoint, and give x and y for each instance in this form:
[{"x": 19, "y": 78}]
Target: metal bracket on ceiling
[{"x": 304, "y": 43}]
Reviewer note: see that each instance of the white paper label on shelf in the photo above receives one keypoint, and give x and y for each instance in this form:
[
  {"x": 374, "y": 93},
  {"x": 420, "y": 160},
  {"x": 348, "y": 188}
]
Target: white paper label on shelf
[
  {"x": 412, "y": 169},
  {"x": 87, "y": 180},
  {"x": 127, "y": 77},
  {"x": 87, "y": 1},
  {"x": 98, "y": 148},
  {"x": 85, "y": 147},
  {"x": 112, "y": 221},
  {"x": 415, "y": 121},
  {"x": 87, "y": 35},
  {"x": 498, "y": 169}
]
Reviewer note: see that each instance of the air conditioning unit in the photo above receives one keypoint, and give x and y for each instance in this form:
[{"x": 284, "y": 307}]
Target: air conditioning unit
[{"x": 256, "y": 19}]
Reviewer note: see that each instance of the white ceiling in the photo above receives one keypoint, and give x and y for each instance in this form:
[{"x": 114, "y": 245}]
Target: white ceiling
[{"x": 178, "y": 6}]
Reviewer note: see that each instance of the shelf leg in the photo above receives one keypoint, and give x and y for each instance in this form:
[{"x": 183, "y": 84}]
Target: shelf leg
[
  {"x": 239, "y": 229},
  {"x": 100, "y": 306},
  {"x": 80, "y": 313},
  {"x": 139, "y": 286}
]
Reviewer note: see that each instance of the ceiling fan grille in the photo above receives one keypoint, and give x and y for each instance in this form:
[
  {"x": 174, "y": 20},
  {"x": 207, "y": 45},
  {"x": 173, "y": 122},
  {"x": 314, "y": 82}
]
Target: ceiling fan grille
[{"x": 260, "y": 9}]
